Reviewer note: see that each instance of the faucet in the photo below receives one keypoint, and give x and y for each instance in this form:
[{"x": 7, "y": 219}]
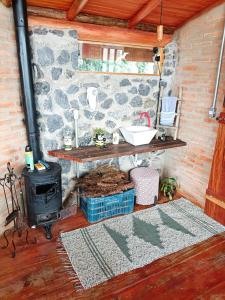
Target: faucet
[{"x": 146, "y": 114}]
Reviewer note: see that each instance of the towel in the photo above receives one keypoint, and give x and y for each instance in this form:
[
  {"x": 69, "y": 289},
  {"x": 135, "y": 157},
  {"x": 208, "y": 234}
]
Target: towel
[
  {"x": 167, "y": 119},
  {"x": 168, "y": 111}
]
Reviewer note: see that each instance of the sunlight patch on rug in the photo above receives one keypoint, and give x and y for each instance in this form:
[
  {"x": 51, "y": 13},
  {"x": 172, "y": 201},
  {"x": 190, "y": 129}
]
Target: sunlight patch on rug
[{"x": 115, "y": 246}]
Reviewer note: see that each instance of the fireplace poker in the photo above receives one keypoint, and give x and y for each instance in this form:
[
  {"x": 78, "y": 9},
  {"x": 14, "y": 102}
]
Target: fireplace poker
[{"x": 9, "y": 182}]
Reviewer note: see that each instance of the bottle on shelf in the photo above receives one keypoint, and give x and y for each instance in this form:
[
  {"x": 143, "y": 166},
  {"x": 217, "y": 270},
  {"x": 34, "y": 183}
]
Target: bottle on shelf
[
  {"x": 29, "y": 159},
  {"x": 68, "y": 139}
]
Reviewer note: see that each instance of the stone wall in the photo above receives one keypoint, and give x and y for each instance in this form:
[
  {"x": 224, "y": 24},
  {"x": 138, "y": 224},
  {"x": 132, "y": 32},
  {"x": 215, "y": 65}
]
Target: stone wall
[{"x": 60, "y": 88}]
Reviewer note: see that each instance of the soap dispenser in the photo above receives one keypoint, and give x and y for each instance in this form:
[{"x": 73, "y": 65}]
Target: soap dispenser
[{"x": 92, "y": 93}]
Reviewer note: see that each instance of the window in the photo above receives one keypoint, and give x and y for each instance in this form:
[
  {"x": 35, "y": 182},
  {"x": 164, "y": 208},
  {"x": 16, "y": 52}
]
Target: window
[{"x": 115, "y": 59}]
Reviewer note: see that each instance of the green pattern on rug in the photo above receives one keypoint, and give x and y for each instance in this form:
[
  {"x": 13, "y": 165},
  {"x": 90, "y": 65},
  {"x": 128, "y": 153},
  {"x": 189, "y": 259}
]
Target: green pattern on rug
[
  {"x": 203, "y": 223},
  {"x": 171, "y": 223},
  {"x": 120, "y": 240},
  {"x": 148, "y": 232},
  {"x": 96, "y": 254},
  {"x": 101, "y": 251}
]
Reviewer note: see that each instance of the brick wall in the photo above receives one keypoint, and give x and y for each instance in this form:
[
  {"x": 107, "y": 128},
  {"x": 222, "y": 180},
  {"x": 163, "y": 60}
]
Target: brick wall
[
  {"x": 198, "y": 43},
  {"x": 12, "y": 131}
]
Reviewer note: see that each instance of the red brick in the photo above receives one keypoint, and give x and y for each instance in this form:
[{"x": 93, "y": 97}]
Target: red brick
[
  {"x": 196, "y": 73},
  {"x": 12, "y": 131}
]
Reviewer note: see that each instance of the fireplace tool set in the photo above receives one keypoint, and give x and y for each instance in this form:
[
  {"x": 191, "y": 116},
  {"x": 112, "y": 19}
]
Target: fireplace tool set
[
  {"x": 10, "y": 183},
  {"x": 43, "y": 205}
]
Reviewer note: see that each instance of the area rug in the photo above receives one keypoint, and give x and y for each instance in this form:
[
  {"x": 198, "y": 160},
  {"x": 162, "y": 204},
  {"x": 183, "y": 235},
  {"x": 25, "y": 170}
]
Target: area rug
[{"x": 115, "y": 246}]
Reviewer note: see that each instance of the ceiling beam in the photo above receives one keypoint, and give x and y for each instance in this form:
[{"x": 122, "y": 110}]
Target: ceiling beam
[
  {"x": 75, "y": 8},
  {"x": 143, "y": 12},
  {"x": 7, "y": 3},
  {"x": 104, "y": 34},
  {"x": 93, "y": 19}
]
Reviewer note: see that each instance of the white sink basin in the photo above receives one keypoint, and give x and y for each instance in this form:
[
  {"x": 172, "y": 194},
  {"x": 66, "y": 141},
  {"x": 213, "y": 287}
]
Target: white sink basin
[{"x": 138, "y": 135}]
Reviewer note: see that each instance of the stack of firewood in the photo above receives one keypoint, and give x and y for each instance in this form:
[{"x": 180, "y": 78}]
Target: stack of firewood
[{"x": 103, "y": 181}]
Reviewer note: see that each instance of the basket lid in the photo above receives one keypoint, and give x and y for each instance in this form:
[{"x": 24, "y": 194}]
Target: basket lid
[{"x": 144, "y": 172}]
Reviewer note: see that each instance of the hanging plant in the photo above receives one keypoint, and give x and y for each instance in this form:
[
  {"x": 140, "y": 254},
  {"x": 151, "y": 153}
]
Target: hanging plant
[{"x": 168, "y": 186}]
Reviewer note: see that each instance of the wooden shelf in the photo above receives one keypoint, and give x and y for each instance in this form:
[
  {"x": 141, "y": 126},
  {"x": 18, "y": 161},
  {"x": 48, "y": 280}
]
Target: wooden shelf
[
  {"x": 92, "y": 153},
  {"x": 164, "y": 126}
]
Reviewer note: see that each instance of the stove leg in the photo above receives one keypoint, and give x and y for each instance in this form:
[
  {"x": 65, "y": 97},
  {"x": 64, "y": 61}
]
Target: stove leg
[
  {"x": 155, "y": 200},
  {"x": 48, "y": 231}
]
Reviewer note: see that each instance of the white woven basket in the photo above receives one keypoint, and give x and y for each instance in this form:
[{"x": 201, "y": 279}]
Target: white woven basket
[{"x": 146, "y": 181}]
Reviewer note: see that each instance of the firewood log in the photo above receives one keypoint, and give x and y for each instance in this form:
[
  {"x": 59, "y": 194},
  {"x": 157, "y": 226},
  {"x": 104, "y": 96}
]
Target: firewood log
[{"x": 103, "y": 181}]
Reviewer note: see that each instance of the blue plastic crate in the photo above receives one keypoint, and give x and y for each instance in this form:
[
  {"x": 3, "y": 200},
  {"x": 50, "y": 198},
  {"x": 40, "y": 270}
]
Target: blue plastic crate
[{"x": 100, "y": 208}]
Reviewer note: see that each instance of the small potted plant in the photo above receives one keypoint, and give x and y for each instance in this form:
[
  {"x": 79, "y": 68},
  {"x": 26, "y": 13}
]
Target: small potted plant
[
  {"x": 168, "y": 186},
  {"x": 99, "y": 137}
]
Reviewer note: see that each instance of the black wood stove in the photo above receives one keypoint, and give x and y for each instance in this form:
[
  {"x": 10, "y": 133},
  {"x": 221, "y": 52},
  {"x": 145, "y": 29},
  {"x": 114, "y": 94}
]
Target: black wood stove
[
  {"x": 43, "y": 196},
  {"x": 43, "y": 189}
]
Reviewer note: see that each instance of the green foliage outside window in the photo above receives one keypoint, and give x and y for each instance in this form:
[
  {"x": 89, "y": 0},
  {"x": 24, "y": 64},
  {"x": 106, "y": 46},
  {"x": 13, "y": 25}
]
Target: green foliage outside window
[{"x": 97, "y": 65}]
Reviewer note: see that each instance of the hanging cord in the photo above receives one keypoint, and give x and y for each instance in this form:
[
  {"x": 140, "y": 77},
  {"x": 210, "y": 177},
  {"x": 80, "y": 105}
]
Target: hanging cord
[
  {"x": 161, "y": 12},
  {"x": 158, "y": 99},
  {"x": 159, "y": 70}
]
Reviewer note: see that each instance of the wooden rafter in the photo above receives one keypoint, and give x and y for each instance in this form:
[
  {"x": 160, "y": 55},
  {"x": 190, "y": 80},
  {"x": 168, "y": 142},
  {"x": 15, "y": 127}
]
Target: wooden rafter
[
  {"x": 93, "y": 19},
  {"x": 143, "y": 12},
  {"x": 7, "y": 3},
  {"x": 75, "y": 8}
]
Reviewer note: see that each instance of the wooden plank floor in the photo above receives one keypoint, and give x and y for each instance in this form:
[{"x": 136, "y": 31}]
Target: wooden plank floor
[{"x": 197, "y": 272}]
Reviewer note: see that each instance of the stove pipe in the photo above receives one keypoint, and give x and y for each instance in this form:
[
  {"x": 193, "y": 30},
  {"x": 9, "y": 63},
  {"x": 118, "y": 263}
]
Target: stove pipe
[{"x": 24, "y": 57}]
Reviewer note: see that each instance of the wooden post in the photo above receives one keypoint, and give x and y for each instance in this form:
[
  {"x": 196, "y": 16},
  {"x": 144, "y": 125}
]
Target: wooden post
[
  {"x": 162, "y": 56},
  {"x": 178, "y": 112}
]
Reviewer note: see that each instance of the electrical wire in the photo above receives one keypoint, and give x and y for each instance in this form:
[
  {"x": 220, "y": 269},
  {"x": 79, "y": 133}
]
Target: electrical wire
[
  {"x": 160, "y": 84},
  {"x": 161, "y": 12}
]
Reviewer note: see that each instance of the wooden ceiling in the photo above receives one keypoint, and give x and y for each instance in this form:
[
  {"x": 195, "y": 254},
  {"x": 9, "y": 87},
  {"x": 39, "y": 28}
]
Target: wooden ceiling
[
  {"x": 175, "y": 12},
  {"x": 123, "y": 22}
]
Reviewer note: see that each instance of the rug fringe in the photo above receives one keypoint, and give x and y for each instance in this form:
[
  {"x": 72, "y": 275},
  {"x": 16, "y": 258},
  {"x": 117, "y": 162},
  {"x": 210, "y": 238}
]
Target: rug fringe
[{"x": 68, "y": 268}]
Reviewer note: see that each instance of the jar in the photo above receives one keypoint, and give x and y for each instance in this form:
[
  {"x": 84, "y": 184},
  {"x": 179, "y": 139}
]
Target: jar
[
  {"x": 67, "y": 139},
  {"x": 116, "y": 138}
]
